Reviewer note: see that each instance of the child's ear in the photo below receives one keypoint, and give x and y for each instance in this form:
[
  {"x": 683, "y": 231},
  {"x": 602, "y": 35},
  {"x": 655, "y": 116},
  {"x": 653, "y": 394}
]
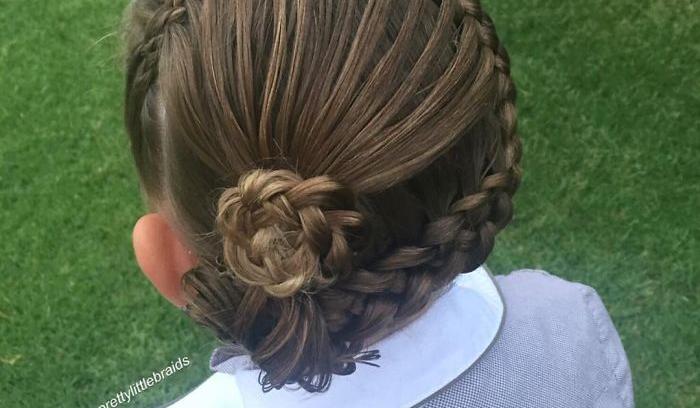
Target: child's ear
[{"x": 162, "y": 256}]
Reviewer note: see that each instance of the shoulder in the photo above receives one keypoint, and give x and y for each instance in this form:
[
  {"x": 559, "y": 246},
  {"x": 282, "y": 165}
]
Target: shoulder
[
  {"x": 538, "y": 288},
  {"x": 552, "y": 309},
  {"x": 557, "y": 335},
  {"x": 536, "y": 295}
]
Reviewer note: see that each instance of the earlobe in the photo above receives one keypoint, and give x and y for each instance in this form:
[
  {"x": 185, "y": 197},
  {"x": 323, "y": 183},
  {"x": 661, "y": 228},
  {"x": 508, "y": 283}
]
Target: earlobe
[{"x": 162, "y": 256}]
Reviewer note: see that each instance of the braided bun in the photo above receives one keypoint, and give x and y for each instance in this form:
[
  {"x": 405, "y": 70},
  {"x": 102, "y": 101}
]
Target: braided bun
[
  {"x": 399, "y": 114},
  {"x": 285, "y": 233}
]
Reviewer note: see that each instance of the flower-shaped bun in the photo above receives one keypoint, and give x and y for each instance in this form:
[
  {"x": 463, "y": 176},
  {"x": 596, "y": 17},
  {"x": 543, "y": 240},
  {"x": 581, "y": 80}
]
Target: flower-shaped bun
[{"x": 285, "y": 233}]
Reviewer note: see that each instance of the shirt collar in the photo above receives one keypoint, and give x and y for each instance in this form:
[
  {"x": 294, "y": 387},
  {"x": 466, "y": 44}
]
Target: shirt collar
[{"x": 416, "y": 361}]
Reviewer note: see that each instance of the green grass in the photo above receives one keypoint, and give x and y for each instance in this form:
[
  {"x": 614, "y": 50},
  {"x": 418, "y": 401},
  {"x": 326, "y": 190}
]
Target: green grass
[{"x": 609, "y": 118}]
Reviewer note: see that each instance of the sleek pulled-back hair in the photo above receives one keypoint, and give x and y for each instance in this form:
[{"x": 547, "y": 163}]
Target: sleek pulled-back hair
[{"x": 333, "y": 164}]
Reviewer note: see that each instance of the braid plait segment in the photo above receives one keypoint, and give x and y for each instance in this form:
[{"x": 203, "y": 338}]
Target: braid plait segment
[
  {"x": 505, "y": 106},
  {"x": 170, "y": 12},
  {"x": 142, "y": 65},
  {"x": 141, "y": 76}
]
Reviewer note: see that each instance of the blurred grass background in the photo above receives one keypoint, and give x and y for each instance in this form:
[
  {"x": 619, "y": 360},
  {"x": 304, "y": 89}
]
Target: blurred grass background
[{"x": 609, "y": 107}]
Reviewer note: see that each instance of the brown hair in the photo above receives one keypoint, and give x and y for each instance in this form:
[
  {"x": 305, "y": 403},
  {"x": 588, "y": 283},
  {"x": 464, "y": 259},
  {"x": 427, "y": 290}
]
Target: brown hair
[{"x": 333, "y": 164}]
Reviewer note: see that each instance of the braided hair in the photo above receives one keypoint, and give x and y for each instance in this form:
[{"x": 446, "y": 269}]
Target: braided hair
[{"x": 334, "y": 164}]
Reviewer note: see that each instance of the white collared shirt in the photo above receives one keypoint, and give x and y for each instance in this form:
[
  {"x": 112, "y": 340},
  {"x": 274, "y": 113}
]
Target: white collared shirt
[{"x": 414, "y": 363}]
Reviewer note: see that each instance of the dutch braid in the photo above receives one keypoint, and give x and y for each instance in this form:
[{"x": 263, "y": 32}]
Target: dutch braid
[{"x": 465, "y": 236}]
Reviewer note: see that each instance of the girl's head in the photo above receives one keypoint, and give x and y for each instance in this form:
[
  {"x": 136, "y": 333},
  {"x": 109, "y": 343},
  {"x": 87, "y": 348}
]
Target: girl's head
[{"x": 320, "y": 169}]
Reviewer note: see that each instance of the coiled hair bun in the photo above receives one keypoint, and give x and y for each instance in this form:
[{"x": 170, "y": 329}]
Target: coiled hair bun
[{"x": 284, "y": 233}]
